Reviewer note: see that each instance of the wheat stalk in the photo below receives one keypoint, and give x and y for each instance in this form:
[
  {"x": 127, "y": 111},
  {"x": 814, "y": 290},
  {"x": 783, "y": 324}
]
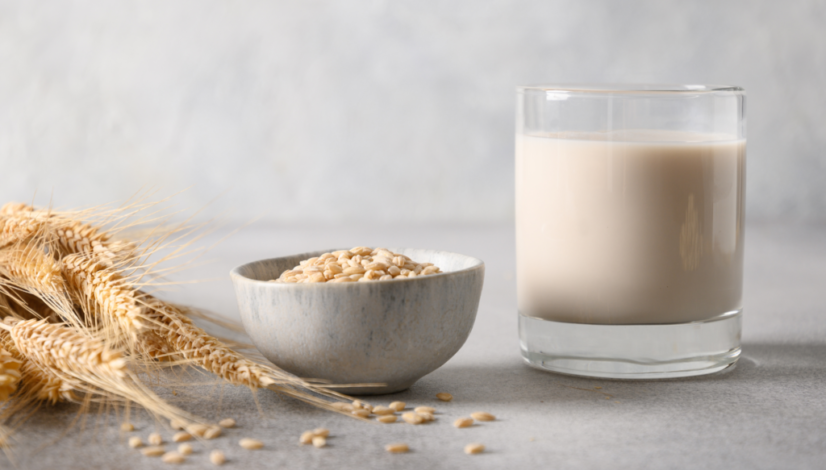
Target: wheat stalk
[{"x": 27, "y": 265}]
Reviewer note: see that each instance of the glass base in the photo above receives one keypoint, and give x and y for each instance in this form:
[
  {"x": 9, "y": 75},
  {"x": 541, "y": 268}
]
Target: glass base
[{"x": 632, "y": 351}]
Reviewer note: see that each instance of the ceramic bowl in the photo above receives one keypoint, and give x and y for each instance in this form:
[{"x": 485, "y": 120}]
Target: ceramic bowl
[{"x": 389, "y": 332}]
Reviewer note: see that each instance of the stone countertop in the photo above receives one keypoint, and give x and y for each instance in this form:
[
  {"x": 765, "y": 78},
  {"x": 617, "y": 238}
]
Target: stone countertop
[{"x": 769, "y": 412}]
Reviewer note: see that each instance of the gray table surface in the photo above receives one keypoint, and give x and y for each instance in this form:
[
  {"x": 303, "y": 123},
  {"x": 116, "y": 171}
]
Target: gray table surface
[{"x": 769, "y": 412}]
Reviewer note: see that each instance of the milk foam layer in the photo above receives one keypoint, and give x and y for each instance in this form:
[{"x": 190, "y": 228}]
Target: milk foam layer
[{"x": 643, "y": 230}]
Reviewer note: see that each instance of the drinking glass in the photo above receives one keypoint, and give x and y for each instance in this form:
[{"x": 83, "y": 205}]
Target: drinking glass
[{"x": 629, "y": 228}]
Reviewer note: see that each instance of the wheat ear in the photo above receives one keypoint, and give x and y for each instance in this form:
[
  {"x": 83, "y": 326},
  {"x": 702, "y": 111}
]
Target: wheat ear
[
  {"x": 197, "y": 346},
  {"x": 72, "y": 235},
  {"x": 9, "y": 374},
  {"x": 171, "y": 332},
  {"x": 11, "y": 208},
  {"x": 43, "y": 386},
  {"x": 36, "y": 383},
  {"x": 73, "y": 356},
  {"x": 163, "y": 331},
  {"x": 16, "y": 228},
  {"x": 27, "y": 266},
  {"x": 105, "y": 290}
]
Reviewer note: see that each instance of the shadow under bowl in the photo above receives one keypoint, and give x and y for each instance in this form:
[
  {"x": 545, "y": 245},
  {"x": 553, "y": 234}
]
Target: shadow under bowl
[{"x": 390, "y": 332}]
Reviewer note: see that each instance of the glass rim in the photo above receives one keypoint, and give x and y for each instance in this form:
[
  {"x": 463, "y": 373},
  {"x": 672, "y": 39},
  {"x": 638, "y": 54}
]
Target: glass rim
[{"x": 631, "y": 88}]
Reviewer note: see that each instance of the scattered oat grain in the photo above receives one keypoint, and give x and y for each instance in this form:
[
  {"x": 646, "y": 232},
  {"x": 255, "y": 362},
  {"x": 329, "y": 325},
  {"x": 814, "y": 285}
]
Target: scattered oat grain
[
  {"x": 217, "y": 457},
  {"x": 343, "y": 406},
  {"x": 135, "y": 442},
  {"x": 444, "y": 396},
  {"x": 474, "y": 448},
  {"x": 227, "y": 423},
  {"x": 425, "y": 409},
  {"x": 427, "y": 417},
  {"x": 319, "y": 442},
  {"x": 412, "y": 418},
  {"x": 463, "y": 422},
  {"x": 482, "y": 416},
  {"x": 250, "y": 444},
  {"x": 360, "y": 405},
  {"x": 386, "y": 419},
  {"x": 383, "y": 410},
  {"x": 173, "y": 457},
  {"x": 306, "y": 438},
  {"x": 212, "y": 432},
  {"x": 185, "y": 449},
  {"x": 154, "y": 451},
  {"x": 181, "y": 436},
  {"x": 197, "y": 429},
  {"x": 361, "y": 413},
  {"x": 397, "y": 448},
  {"x": 155, "y": 439},
  {"x": 398, "y": 405},
  {"x": 323, "y": 432}
]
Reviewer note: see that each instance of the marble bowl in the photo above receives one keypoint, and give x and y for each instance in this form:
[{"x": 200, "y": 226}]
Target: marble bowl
[{"x": 389, "y": 332}]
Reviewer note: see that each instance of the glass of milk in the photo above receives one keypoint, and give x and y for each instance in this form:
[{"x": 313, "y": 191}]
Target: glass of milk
[{"x": 629, "y": 228}]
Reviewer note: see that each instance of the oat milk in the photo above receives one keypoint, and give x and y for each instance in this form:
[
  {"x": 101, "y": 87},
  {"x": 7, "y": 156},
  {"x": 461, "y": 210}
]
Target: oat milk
[{"x": 637, "y": 227}]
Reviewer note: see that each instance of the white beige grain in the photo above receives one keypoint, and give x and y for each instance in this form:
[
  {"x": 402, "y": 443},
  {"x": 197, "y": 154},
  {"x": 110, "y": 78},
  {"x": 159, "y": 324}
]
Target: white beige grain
[
  {"x": 250, "y": 444},
  {"x": 397, "y": 448},
  {"x": 181, "y": 436},
  {"x": 217, "y": 457},
  {"x": 173, "y": 457},
  {"x": 474, "y": 448},
  {"x": 482, "y": 416}
]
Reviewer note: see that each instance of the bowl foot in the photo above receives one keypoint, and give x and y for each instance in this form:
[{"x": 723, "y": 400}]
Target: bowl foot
[{"x": 380, "y": 390}]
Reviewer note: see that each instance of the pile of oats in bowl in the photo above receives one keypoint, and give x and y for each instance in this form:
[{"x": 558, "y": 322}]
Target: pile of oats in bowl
[{"x": 360, "y": 264}]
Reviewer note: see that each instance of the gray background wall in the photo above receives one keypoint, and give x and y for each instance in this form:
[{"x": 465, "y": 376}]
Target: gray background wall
[{"x": 373, "y": 111}]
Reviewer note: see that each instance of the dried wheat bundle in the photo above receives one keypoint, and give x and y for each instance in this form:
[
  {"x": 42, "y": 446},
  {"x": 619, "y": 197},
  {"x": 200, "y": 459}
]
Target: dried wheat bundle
[{"x": 73, "y": 295}]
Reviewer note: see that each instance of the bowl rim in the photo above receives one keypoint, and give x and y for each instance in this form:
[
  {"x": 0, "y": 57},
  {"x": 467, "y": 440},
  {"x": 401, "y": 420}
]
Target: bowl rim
[{"x": 235, "y": 273}]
